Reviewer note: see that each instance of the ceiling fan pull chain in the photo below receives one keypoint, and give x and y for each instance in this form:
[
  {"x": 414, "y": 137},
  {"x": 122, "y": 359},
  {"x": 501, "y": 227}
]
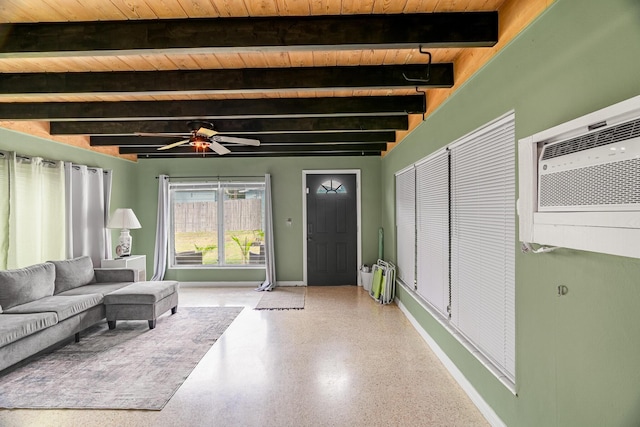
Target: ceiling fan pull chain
[{"x": 428, "y": 76}]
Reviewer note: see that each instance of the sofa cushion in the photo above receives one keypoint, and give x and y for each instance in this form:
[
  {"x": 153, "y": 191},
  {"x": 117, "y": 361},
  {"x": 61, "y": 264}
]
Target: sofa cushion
[
  {"x": 26, "y": 284},
  {"x": 96, "y": 288},
  {"x": 64, "y": 306},
  {"x": 115, "y": 274},
  {"x": 72, "y": 273},
  {"x": 142, "y": 293},
  {"x": 16, "y": 326}
]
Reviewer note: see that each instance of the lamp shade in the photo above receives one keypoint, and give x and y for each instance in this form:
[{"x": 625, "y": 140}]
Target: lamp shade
[{"x": 123, "y": 218}]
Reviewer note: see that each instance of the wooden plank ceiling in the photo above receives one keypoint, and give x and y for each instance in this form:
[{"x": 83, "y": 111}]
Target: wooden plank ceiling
[{"x": 321, "y": 77}]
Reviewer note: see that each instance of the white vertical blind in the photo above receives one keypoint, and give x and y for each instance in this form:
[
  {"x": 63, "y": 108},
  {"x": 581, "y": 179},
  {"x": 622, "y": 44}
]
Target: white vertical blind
[
  {"x": 483, "y": 241},
  {"x": 432, "y": 205},
  {"x": 406, "y": 226}
]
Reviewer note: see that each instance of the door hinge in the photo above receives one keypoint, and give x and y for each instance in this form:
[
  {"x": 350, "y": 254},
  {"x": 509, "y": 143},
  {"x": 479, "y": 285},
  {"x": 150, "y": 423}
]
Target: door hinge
[{"x": 307, "y": 190}]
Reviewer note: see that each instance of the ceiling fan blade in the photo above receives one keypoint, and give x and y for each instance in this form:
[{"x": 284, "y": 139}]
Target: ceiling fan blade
[
  {"x": 175, "y": 144},
  {"x": 234, "y": 140},
  {"x": 206, "y": 132},
  {"x": 220, "y": 149}
]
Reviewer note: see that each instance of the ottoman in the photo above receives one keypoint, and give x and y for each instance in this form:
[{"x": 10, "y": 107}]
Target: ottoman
[{"x": 141, "y": 301}]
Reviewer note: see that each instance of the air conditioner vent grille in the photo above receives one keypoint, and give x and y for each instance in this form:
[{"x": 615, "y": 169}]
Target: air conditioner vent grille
[
  {"x": 605, "y": 136},
  {"x": 599, "y": 185}
]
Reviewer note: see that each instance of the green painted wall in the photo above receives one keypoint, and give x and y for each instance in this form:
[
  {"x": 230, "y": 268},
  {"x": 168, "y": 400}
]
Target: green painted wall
[
  {"x": 124, "y": 171},
  {"x": 286, "y": 177},
  {"x": 135, "y": 185},
  {"x": 578, "y": 356}
]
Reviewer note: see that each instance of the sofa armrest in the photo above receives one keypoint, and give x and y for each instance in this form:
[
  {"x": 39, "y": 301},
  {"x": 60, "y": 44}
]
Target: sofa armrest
[{"x": 116, "y": 275}]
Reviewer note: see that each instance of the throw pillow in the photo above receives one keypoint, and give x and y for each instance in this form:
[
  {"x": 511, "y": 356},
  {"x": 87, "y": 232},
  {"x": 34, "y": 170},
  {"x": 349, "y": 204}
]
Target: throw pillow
[
  {"x": 26, "y": 284},
  {"x": 73, "y": 273}
]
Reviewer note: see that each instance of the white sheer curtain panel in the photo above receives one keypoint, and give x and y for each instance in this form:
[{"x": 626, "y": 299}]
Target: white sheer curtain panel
[
  {"x": 162, "y": 230},
  {"x": 86, "y": 213},
  {"x": 270, "y": 262},
  {"x": 108, "y": 183},
  {"x": 4, "y": 209},
  {"x": 37, "y": 211}
]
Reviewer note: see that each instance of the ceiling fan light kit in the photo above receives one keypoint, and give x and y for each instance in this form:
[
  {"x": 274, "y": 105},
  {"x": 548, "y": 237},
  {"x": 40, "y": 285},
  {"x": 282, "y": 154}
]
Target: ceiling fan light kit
[{"x": 204, "y": 138}]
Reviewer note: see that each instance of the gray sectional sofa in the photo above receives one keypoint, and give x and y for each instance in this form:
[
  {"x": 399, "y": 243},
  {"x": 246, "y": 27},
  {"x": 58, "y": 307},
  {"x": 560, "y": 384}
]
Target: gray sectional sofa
[{"x": 46, "y": 303}]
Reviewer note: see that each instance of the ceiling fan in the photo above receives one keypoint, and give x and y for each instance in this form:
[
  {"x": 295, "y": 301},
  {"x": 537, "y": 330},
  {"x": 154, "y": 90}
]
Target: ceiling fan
[{"x": 203, "y": 137}]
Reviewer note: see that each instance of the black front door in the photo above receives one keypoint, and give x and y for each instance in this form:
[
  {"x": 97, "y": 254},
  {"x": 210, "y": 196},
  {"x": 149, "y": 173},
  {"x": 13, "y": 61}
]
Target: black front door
[{"x": 332, "y": 230}]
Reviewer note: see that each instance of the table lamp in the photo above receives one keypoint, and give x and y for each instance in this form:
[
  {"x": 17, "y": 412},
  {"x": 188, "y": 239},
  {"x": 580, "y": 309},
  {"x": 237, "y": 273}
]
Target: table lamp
[{"x": 125, "y": 219}]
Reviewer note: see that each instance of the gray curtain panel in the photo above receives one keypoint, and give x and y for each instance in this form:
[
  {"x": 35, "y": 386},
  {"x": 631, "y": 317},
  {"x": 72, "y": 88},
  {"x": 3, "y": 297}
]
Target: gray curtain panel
[{"x": 162, "y": 230}]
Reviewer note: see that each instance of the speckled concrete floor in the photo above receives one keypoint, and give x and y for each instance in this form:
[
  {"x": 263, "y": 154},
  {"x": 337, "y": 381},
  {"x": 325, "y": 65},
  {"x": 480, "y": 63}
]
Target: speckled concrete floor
[{"x": 342, "y": 361}]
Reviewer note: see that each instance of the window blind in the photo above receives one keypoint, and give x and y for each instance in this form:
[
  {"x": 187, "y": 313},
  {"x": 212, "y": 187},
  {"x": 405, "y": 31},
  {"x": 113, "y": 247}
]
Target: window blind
[
  {"x": 406, "y": 226},
  {"x": 432, "y": 205},
  {"x": 483, "y": 241}
]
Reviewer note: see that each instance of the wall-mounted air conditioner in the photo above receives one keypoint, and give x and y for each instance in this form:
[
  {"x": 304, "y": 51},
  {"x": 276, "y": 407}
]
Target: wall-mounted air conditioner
[{"x": 580, "y": 183}]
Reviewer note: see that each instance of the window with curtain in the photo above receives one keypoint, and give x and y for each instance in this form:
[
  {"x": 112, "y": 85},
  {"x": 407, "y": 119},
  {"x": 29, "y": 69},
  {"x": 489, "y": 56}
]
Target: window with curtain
[
  {"x": 465, "y": 238},
  {"x": 50, "y": 210},
  {"x": 217, "y": 223}
]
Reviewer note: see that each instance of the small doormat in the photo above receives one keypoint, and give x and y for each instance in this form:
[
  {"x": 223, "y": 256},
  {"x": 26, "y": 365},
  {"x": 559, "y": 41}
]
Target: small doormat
[{"x": 283, "y": 298}]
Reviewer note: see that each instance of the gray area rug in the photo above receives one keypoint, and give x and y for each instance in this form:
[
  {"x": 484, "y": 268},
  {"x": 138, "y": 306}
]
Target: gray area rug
[
  {"x": 283, "y": 298},
  {"x": 130, "y": 367}
]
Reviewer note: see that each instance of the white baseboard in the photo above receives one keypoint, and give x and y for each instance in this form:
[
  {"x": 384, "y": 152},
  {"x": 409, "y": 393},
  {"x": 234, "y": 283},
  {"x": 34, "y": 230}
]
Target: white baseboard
[
  {"x": 289, "y": 283},
  {"x": 466, "y": 386},
  {"x": 253, "y": 284}
]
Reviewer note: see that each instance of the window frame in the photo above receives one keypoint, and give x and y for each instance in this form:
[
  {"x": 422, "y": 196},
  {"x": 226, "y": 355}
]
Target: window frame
[{"x": 218, "y": 186}]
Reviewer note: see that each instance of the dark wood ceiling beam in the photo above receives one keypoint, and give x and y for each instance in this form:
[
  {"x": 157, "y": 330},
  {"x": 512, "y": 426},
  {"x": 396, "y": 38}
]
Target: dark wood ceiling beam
[
  {"x": 207, "y": 35},
  {"x": 192, "y": 82},
  {"x": 212, "y": 155},
  {"x": 214, "y": 109},
  {"x": 266, "y": 138},
  {"x": 255, "y": 126},
  {"x": 267, "y": 148}
]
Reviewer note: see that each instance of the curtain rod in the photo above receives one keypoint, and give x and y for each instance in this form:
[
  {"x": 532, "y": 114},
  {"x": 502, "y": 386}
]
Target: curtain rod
[
  {"x": 25, "y": 157},
  {"x": 44, "y": 161},
  {"x": 89, "y": 168},
  {"x": 53, "y": 162},
  {"x": 213, "y": 176}
]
